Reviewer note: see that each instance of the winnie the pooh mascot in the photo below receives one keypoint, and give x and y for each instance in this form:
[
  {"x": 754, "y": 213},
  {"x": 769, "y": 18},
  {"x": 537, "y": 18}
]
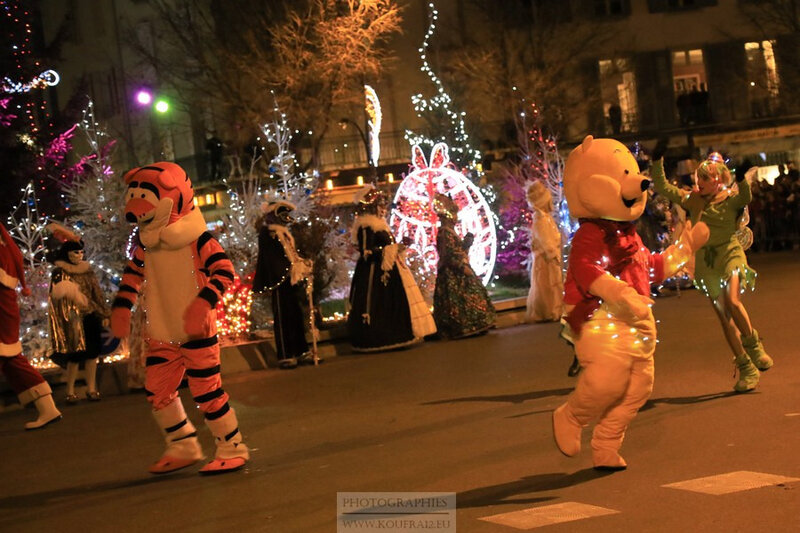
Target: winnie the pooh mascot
[{"x": 607, "y": 297}]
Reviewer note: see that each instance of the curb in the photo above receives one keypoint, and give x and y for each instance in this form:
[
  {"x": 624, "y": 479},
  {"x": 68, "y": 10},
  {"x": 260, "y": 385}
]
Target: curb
[{"x": 235, "y": 359}]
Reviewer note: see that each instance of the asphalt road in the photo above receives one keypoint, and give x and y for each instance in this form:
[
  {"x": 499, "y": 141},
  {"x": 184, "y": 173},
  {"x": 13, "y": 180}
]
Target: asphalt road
[{"x": 470, "y": 417}]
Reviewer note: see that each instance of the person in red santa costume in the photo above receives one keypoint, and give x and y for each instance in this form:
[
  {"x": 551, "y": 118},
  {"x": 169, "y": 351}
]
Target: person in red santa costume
[
  {"x": 29, "y": 384},
  {"x": 182, "y": 272},
  {"x": 607, "y": 297}
]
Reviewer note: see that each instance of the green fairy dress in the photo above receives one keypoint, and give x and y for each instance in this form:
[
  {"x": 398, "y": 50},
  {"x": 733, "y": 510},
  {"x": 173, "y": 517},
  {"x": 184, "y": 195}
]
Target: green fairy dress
[{"x": 723, "y": 255}]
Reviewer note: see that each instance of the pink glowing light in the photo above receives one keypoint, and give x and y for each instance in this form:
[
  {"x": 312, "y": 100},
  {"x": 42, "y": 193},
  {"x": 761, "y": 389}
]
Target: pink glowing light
[{"x": 143, "y": 97}]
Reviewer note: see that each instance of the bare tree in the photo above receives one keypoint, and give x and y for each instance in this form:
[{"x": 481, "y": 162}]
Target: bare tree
[
  {"x": 229, "y": 54},
  {"x": 534, "y": 49}
]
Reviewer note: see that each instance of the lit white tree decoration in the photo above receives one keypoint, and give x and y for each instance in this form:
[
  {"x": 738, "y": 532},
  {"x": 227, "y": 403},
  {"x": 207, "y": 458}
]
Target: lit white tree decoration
[
  {"x": 27, "y": 227},
  {"x": 95, "y": 202},
  {"x": 414, "y": 217}
]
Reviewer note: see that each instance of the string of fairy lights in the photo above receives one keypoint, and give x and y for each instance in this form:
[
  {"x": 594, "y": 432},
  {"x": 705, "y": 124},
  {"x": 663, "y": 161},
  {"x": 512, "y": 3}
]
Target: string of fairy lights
[{"x": 441, "y": 102}]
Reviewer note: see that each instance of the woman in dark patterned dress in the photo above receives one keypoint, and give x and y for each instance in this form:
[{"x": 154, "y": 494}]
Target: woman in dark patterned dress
[{"x": 461, "y": 304}]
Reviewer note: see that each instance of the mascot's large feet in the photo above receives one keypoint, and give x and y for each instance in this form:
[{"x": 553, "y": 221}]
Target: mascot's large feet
[
  {"x": 748, "y": 374},
  {"x": 755, "y": 351},
  {"x": 223, "y": 466},
  {"x": 168, "y": 464},
  {"x": 183, "y": 448},
  {"x": 608, "y": 460},
  {"x": 566, "y": 433},
  {"x": 232, "y": 453}
]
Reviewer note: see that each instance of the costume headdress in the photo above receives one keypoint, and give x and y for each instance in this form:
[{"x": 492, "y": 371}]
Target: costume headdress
[
  {"x": 445, "y": 207},
  {"x": 539, "y": 196},
  {"x": 714, "y": 169},
  {"x": 66, "y": 241},
  {"x": 278, "y": 211},
  {"x": 372, "y": 199}
]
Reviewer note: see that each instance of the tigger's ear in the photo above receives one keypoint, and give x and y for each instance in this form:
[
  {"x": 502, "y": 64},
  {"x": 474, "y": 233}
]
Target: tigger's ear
[
  {"x": 129, "y": 175},
  {"x": 171, "y": 175}
]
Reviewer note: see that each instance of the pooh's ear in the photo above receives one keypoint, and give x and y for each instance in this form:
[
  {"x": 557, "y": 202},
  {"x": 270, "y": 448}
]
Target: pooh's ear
[{"x": 587, "y": 142}]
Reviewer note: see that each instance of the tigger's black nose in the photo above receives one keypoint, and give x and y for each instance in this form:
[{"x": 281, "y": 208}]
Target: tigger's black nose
[
  {"x": 645, "y": 185},
  {"x": 130, "y": 217}
]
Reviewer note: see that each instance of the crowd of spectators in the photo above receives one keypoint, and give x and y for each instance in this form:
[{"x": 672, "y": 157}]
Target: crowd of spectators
[{"x": 774, "y": 211}]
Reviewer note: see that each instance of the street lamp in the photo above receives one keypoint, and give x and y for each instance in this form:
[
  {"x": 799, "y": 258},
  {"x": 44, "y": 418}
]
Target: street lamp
[{"x": 373, "y": 173}]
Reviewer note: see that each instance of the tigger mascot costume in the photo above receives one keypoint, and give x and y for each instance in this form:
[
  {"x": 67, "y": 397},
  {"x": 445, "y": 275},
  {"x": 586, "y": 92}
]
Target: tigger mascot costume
[{"x": 181, "y": 271}]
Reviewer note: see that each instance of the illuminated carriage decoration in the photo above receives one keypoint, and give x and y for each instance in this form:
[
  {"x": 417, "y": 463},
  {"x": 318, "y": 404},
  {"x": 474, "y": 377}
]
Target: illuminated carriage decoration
[{"x": 413, "y": 215}]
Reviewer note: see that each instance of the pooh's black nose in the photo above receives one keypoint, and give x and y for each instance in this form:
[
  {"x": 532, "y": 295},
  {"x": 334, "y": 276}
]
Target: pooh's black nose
[
  {"x": 645, "y": 185},
  {"x": 130, "y": 217}
]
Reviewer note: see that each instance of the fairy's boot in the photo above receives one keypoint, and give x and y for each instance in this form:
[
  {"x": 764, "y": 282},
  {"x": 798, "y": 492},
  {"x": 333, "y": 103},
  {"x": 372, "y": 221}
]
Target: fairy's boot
[
  {"x": 755, "y": 351},
  {"x": 232, "y": 453},
  {"x": 183, "y": 449},
  {"x": 42, "y": 397},
  {"x": 748, "y": 374}
]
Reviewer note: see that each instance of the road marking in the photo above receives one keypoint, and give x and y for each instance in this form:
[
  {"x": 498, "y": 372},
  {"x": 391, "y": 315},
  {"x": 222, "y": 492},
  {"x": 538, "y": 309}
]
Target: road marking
[
  {"x": 731, "y": 482},
  {"x": 548, "y": 515}
]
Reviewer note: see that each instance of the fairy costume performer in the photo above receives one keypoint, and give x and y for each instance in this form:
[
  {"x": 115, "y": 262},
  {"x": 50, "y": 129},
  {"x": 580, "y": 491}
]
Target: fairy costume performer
[
  {"x": 721, "y": 269},
  {"x": 461, "y": 305},
  {"x": 387, "y": 310}
]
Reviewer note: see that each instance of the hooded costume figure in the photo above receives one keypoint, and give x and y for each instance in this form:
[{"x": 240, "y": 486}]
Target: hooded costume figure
[
  {"x": 25, "y": 380},
  {"x": 281, "y": 271},
  {"x": 607, "y": 297},
  {"x": 546, "y": 295},
  {"x": 183, "y": 272}
]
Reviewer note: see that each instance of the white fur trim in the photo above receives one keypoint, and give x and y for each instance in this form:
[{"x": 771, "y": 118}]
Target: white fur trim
[
  {"x": 268, "y": 207},
  {"x": 422, "y": 322},
  {"x": 10, "y": 350},
  {"x": 8, "y": 280},
  {"x": 368, "y": 221},
  {"x": 34, "y": 393},
  {"x": 180, "y": 233},
  {"x": 66, "y": 266},
  {"x": 71, "y": 291},
  {"x": 389, "y": 257}
]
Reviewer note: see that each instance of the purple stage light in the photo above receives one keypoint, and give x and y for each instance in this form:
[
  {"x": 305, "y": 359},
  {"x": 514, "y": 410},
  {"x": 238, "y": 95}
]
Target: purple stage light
[{"x": 144, "y": 97}]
